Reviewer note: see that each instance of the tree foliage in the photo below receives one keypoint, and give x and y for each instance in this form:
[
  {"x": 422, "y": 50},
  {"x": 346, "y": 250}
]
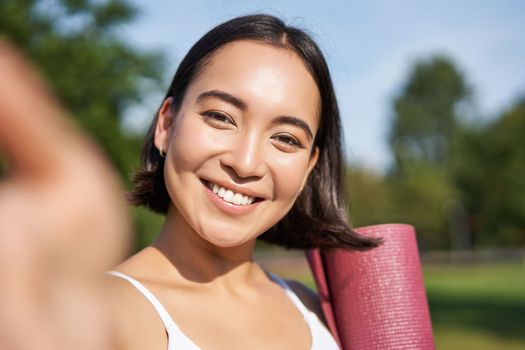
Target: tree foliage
[
  {"x": 425, "y": 113},
  {"x": 489, "y": 172},
  {"x": 92, "y": 70},
  {"x": 460, "y": 182},
  {"x": 425, "y": 123}
]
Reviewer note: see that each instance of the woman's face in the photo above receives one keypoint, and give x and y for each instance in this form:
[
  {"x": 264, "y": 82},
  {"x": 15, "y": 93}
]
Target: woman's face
[{"x": 239, "y": 148}]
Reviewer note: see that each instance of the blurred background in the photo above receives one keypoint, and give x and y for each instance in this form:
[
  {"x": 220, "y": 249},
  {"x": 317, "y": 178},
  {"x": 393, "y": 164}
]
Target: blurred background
[{"x": 432, "y": 96}]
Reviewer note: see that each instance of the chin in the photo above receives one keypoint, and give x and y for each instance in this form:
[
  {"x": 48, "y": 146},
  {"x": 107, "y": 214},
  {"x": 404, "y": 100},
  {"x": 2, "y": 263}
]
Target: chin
[{"x": 230, "y": 240}]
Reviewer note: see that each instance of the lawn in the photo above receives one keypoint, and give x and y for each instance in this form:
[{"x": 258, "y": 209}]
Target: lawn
[{"x": 477, "y": 307}]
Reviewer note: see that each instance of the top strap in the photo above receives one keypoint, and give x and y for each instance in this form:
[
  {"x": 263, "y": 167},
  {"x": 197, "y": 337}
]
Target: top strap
[
  {"x": 175, "y": 336},
  {"x": 295, "y": 299},
  {"x": 166, "y": 318}
]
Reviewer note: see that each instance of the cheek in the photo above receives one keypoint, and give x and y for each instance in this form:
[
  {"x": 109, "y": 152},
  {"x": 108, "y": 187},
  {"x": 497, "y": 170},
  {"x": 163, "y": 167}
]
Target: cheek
[
  {"x": 289, "y": 174},
  {"x": 190, "y": 144}
]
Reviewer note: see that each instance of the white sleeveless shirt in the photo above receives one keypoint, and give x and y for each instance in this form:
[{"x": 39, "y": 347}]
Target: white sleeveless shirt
[{"x": 177, "y": 340}]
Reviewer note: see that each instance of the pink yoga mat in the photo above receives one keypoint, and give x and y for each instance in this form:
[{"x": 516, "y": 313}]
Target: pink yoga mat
[{"x": 376, "y": 299}]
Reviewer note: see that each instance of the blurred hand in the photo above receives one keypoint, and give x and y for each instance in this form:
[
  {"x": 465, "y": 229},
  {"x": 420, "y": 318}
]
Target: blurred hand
[{"x": 63, "y": 220}]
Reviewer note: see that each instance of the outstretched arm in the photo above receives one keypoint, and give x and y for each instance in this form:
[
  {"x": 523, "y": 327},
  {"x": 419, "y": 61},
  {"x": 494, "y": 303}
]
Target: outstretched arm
[{"x": 63, "y": 220}]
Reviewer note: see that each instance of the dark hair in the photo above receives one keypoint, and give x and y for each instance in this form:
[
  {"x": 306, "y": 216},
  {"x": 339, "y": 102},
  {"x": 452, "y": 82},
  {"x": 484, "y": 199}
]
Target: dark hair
[{"x": 318, "y": 218}]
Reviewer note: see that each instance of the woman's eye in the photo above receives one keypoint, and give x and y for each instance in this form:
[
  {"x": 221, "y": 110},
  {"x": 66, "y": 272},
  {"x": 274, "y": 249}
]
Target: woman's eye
[
  {"x": 218, "y": 118},
  {"x": 287, "y": 141}
]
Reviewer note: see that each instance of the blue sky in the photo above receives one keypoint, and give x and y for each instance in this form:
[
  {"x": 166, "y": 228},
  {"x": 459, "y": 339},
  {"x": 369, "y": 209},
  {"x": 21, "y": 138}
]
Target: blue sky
[{"x": 369, "y": 45}]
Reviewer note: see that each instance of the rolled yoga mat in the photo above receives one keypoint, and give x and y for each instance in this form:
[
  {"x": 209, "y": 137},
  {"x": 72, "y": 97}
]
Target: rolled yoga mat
[{"x": 375, "y": 299}]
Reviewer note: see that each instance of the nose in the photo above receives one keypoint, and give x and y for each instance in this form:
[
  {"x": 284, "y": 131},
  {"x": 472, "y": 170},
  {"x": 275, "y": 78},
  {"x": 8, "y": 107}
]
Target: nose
[{"x": 246, "y": 157}]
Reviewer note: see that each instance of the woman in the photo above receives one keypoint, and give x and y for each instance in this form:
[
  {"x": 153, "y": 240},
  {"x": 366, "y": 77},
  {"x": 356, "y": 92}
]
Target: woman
[{"x": 245, "y": 145}]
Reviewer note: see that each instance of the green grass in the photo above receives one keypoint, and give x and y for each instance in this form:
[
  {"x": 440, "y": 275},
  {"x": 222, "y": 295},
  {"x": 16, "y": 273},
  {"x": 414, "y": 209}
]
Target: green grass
[{"x": 477, "y": 307}]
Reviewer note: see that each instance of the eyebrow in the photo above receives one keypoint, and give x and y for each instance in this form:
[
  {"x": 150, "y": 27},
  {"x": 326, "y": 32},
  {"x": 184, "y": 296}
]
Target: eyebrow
[
  {"x": 240, "y": 104},
  {"x": 295, "y": 122},
  {"x": 226, "y": 97}
]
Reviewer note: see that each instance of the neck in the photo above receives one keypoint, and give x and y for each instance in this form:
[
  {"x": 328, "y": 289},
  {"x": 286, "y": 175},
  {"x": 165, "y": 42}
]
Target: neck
[{"x": 197, "y": 260}]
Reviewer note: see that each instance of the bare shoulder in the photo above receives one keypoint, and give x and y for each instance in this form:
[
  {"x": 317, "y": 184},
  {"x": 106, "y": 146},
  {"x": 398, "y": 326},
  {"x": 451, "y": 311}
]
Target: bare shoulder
[
  {"x": 309, "y": 297},
  {"x": 134, "y": 322}
]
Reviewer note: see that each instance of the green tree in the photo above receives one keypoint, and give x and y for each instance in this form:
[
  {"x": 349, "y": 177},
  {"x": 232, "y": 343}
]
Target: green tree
[
  {"x": 92, "y": 70},
  {"x": 489, "y": 173},
  {"x": 426, "y": 113},
  {"x": 425, "y": 124},
  {"x": 369, "y": 197}
]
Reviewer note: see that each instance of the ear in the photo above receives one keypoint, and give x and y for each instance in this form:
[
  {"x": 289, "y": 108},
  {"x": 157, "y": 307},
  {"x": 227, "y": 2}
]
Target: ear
[
  {"x": 163, "y": 128},
  {"x": 311, "y": 164}
]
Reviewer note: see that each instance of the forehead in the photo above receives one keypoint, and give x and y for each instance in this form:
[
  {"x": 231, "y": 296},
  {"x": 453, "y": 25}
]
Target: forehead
[{"x": 269, "y": 79}]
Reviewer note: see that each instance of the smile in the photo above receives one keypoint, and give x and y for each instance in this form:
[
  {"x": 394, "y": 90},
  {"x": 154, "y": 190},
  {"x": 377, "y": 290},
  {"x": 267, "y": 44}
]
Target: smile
[{"x": 229, "y": 196}]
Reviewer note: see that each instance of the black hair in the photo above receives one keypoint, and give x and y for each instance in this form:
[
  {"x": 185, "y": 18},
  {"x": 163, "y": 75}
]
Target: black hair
[{"x": 318, "y": 218}]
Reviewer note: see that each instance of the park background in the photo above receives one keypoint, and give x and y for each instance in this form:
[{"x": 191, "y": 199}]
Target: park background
[{"x": 432, "y": 96}]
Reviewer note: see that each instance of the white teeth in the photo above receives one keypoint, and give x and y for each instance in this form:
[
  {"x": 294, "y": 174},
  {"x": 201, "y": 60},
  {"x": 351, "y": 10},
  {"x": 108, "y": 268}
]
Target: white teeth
[
  {"x": 230, "y": 196},
  {"x": 237, "y": 198}
]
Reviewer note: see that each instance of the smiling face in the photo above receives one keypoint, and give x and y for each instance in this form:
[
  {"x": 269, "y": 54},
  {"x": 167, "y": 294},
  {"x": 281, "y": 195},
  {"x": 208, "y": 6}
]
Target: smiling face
[{"x": 240, "y": 146}]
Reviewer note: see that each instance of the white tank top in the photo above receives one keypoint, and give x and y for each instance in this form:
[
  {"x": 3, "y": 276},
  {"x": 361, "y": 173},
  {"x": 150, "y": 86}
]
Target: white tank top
[{"x": 321, "y": 337}]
